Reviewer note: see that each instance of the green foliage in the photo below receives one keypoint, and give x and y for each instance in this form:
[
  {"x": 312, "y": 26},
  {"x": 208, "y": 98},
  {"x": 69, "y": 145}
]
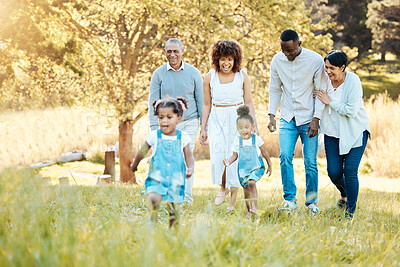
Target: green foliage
[
  {"x": 384, "y": 22},
  {"x": 376, "y": 76},
  {"x": 43, "y": 225},
  {"x": 349, "y": 19},
  {"x": 102, "y": 53}
]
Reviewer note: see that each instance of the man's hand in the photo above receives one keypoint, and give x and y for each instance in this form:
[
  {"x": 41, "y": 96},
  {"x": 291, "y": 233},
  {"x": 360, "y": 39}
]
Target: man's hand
[
  {"x": 203, "y": 137},
  {"x": 272, "y": 123},
  {"x": 189, "y": 173},
  {"x": 313, "y": 128}
]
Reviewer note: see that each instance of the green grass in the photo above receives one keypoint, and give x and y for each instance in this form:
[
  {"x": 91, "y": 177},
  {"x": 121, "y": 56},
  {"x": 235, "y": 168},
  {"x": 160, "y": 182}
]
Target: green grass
[
  {"x": 52, "y": 225},
  {"x": 378, "y": 77}
]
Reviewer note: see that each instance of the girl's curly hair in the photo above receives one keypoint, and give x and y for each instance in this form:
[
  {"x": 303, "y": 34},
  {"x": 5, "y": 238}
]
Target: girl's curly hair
[
  {"x": 175, "y": 103},
  {"x": 228, "y": 47},
  {"x": 244, "y": 113}
]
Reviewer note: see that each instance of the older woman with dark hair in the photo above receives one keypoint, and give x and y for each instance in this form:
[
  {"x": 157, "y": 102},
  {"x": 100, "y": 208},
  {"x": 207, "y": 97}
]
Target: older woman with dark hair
[
  {"x": 345, "y": 125},
  {"x": 226, "y": 87}
]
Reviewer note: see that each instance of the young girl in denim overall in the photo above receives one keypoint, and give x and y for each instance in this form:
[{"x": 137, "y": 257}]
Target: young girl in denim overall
[
  {"x": 171, "y": 148},
  {"x": 247, "y": 148}
]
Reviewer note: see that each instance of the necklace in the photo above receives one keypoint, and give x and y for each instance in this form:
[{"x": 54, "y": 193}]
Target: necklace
[{"x": 339, "y": 83}]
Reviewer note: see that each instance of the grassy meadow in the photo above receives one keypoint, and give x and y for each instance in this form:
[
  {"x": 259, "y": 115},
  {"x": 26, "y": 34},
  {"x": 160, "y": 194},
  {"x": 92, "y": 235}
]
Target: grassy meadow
[{"x": 45, "y": 224}]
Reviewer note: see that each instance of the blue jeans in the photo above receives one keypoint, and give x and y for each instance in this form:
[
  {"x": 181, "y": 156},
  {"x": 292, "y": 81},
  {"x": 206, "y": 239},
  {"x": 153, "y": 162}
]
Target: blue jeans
[
  {"x": 288, "y": 135},
  {"x": 343, "y": 169}
]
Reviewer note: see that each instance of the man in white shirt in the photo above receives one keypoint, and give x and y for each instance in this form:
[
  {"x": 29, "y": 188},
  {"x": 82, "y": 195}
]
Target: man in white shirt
[
  {"x": 178, "y": 78},
  {"x": 295, "y": 73}
]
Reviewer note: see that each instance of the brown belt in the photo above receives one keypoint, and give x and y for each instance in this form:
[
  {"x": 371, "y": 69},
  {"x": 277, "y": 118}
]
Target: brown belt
[{"x": 225, "y": 106}]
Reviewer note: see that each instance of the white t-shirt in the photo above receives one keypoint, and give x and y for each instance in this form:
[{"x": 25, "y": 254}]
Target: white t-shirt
[
  {"x": 259, "y": 142},
  {"x": 151, "y": 139},
  {"x": 330, "y": 118}
]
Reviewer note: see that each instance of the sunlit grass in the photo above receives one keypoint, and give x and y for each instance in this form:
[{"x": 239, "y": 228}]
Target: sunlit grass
[{"x": 51, "y": 225}]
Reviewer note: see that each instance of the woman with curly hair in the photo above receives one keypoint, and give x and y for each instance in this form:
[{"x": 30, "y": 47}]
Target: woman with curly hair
[{"x": 226, "y": 87}]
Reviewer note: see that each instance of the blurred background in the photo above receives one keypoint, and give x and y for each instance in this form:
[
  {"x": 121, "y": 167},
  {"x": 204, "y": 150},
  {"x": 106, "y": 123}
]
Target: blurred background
[{"x": 74, "y": 74}]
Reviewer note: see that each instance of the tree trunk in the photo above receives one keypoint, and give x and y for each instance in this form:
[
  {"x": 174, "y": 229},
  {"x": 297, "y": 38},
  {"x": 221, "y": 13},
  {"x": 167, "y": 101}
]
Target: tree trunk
[
  {"x": 126, "y": 152},
  {"x": 383, "y": 56}
]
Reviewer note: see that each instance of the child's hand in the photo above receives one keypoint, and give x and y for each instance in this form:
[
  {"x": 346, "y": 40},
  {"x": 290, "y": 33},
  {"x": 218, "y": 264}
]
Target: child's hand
[
  {"x": 226, "y": 163},
  {"x": 269, "y": 171},
  {"x": 189, "y": 173}
]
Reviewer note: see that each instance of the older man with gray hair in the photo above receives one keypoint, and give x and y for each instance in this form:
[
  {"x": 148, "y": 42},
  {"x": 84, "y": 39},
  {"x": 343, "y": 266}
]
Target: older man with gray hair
[{"x": 178, "y": 78}]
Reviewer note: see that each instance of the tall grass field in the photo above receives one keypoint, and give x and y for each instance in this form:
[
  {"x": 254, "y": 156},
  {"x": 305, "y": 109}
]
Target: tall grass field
[
  {"x": 43, "y": 224},
  {"x": 33, "y": 136}
]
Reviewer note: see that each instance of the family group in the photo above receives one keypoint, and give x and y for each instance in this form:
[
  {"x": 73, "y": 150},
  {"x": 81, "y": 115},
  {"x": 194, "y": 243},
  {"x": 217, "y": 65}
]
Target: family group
[{"x": 316, "y": 96}]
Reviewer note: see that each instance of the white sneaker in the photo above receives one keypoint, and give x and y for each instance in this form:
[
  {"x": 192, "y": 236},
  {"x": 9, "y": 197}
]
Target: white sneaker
[
  {"x": 313, "y": 208},
  {"x": 288, "y": 206}
]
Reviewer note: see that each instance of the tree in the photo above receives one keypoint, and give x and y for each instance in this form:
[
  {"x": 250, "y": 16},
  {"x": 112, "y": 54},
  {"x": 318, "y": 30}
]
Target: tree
[
  {"x": 349, "y": 17},
  {"x": 384, "y": 22},
  {"x": 109, "y": 49},
  {"x": 31, "y": 63}
]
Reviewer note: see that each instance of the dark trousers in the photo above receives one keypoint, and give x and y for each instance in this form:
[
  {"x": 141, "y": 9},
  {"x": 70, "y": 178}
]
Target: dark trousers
[{"x": 343, "y": 169}]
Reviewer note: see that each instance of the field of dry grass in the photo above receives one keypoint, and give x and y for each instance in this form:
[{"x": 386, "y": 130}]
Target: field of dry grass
[{"x": 33, "y": 136}]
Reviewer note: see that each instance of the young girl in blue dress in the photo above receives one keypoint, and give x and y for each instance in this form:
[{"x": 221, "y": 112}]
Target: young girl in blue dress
[
  {"x": 170, "y": 151},
  {"x": 247, "y": 149}
]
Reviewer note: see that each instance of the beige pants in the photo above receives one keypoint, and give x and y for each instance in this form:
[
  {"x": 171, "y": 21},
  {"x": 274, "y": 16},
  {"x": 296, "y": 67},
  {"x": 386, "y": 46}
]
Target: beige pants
[{"x": 191, "y": 127}]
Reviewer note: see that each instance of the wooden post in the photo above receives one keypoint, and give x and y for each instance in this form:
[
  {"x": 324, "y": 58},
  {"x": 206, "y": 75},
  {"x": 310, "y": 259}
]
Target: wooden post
[{"x": 109, "y": 163}]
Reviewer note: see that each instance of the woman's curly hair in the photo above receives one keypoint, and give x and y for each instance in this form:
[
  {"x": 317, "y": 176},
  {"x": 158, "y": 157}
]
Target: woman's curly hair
[{"x": 228, "y": 47}]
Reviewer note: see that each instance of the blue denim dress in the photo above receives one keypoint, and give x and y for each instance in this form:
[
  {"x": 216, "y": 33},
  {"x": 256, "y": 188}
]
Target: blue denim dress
[
  {"x": 167, "y": 170},
  {"x": 251, "y": 166}
]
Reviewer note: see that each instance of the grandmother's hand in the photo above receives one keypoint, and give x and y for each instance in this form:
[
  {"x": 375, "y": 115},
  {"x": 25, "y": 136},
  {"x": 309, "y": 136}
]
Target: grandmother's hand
[{"x": 324, "y": 97}]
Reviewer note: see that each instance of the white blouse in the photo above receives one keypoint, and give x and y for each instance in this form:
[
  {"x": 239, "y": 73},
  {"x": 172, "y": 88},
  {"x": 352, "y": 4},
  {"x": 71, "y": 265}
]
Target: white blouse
[
  {"x": 330, "y": 117},
  {"x": 227, "y": 93}
]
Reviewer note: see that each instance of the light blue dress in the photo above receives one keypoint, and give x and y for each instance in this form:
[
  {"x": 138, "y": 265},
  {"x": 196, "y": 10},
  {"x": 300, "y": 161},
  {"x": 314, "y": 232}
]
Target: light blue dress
[
  {"x": 251, "y": 166},
  {"x": 167, "y": 170}
]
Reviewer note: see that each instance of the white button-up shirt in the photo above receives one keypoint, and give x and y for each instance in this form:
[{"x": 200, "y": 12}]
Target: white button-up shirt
[
  {"x": 182, "y": 67},
  {"x": 294, "y": 82}
]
